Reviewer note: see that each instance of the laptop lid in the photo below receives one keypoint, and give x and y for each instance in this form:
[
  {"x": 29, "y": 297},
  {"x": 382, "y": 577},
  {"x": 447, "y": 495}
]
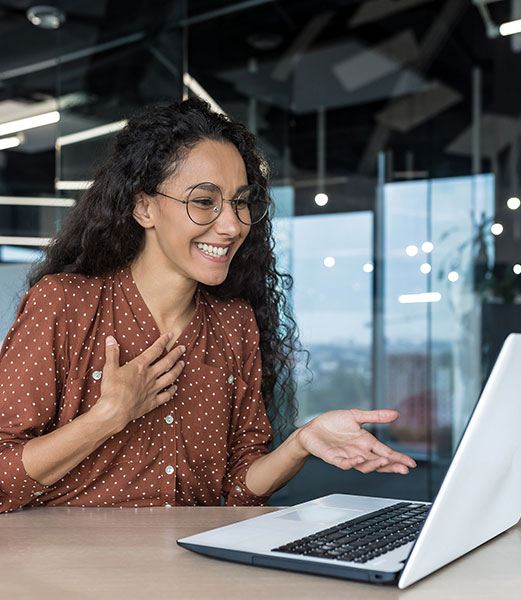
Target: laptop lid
[{"x": 480, "y": 496}]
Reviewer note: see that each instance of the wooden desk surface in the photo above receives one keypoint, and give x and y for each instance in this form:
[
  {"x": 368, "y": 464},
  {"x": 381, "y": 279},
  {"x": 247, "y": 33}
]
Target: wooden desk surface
[{"x": 107, "y": 553}]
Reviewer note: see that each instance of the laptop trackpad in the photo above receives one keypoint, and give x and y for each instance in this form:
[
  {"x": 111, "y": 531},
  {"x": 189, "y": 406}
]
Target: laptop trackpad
[{"x": 321, "y": 514}]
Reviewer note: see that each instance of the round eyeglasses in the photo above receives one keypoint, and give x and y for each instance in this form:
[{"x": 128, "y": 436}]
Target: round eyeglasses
[{"x": 205, "y": 203}]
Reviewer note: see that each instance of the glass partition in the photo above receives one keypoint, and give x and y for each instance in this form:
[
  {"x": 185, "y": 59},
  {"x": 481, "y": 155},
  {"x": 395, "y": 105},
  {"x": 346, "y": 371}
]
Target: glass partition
[{"x": 392, "y": 131}]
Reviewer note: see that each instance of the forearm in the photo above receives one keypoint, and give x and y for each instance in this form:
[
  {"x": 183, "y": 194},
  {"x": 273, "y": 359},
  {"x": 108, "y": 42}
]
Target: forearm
[
  {"x": 272, "y": 471},
  {"x": 49, "y": 457}
]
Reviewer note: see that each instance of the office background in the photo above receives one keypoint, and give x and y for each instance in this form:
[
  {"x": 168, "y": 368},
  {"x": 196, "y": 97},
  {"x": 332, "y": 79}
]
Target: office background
[{"x": 392, "y": 129}]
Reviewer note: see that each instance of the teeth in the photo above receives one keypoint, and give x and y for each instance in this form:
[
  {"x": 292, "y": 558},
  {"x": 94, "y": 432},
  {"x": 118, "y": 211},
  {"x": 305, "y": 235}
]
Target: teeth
[{"x": 212, "y": 250}]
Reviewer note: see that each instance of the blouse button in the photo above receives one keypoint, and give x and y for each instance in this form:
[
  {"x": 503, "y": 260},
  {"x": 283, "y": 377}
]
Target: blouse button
[
  {"x": 230, "y": 379},
  {"x": 169, "y": 419},
  {"x": 169, "y": 470},
  {"x": 97, "y": 375}
]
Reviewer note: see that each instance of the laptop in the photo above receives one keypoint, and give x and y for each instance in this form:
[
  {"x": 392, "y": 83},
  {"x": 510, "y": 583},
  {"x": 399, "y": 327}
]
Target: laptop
[{"x": 383, "y": 540}]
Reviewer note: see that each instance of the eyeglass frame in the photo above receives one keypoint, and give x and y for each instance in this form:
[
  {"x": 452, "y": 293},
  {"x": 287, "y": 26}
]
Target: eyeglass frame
[{"x": 232, "y": 201}]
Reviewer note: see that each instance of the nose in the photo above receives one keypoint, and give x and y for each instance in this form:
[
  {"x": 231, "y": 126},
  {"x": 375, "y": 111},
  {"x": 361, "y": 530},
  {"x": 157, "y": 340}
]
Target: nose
[{"x": 228, "y": 223}]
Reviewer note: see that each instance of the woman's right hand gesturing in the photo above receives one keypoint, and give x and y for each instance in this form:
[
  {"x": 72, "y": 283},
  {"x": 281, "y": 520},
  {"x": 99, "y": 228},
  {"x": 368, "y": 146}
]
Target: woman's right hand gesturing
[{"x": 134, "y": 389}]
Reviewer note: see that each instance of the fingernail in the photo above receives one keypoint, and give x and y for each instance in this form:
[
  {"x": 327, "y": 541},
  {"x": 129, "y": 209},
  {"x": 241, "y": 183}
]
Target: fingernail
[
  {"x": 110, "y": 341},
  {"x": 170, "y": 336},
  {"x": 183, "y": 349},
  {"x": 182, "y": 363}
]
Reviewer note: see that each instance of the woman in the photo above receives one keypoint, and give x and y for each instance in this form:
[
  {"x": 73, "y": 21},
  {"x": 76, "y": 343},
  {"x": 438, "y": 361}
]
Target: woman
[{"x": 135, "y": 372}]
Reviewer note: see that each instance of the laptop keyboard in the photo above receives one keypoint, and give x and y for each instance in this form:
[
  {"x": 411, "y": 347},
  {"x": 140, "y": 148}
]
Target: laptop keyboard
[{"x": 362, "y": 539}]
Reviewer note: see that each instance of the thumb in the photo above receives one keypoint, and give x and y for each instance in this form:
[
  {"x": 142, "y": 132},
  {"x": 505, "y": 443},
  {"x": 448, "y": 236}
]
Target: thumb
[
  {"x": 111, "y": 352},
  {"x": 382, "y": 415}
]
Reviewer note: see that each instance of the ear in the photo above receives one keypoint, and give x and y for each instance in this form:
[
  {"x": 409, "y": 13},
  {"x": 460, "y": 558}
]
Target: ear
[{"x": 142, "y": 212}]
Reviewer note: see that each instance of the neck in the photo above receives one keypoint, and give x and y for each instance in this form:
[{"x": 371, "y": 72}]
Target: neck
[{"x": 169, "y": 296}]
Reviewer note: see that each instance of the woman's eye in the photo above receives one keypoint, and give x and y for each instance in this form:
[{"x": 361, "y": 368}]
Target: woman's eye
[
  {"x": 242, "y": 203},
  {"x": 203, "y": 202}
]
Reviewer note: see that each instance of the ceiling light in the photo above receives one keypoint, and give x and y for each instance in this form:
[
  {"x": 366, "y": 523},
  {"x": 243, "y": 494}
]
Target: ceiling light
[
  {"x": 11, "y": 240},
  {"x": 88, "y": 134},
  {"x": 368, "y": 268},
  {"x": 194, "y": 86},
  {"x": 71, "y": 185},
  {"x": 50, "y": 202},
  {"x": 329, "y": 262},
  {"x": 427, "y": 247},
  {"x": 9, "y": 142},
  {"x": 510, "y": 27},
  {"x": 425, "y": 268},
  {"x": 321, "y": 199},
  {"x": 411, "y": 250},
  {"x": 425, "y": 297},
  {"x": 517, "y": 269},
  {"x": 497, "y": 229},
  {"x": 46, "y": 17},
  {"x": 29, "y": 122},
  {"x": 453, "y": 276},
  {"x": 513, "y": 203}
]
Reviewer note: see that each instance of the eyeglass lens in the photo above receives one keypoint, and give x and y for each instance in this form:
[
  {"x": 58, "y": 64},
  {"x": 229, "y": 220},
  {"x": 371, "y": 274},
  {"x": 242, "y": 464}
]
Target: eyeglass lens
[{"x": 205, "y": 204}]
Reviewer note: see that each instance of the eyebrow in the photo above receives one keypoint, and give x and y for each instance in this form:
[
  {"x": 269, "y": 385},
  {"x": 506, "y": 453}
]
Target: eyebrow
[{"x": 202, "y": 184}]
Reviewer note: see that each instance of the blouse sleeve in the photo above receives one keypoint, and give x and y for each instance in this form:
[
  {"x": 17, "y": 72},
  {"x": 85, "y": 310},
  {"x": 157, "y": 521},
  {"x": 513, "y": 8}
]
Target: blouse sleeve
[
  {"x": 32, "y": 369},
  {"x": 251, "y": 430}
]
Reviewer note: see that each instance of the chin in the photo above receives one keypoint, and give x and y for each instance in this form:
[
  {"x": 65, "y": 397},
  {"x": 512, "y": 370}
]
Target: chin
[{"x": 214, "y": 280}]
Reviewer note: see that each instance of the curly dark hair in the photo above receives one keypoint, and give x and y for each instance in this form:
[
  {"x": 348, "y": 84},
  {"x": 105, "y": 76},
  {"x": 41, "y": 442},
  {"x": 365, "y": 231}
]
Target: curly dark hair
[{"x": 102, "y": 236}]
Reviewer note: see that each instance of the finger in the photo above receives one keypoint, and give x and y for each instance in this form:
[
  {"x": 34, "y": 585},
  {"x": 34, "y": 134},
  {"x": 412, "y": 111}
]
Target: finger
[
  {"x": 345, "y": 463},
  {"x": 168, "y": 361},
  {"x": 156, "y": 349},
  {"x": 372, "y": 465},
  {"x": 168, "y": 378},
  {"x": 166, "y": 395},
  {"x": 396, "y": 468},
  {"x": 111, "y": 353},
  {"x": 392, "y": 455},
  {"x": 382, "y": 415}
]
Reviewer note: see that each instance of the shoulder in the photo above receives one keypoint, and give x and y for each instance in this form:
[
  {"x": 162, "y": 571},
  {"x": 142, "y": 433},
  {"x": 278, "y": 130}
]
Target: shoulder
[
  {"x": 54, "y": 292},
  {"x": 69, "y": 283}
]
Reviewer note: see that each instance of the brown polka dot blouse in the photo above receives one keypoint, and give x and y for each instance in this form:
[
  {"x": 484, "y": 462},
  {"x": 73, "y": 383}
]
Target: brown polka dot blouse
[{"x": 190, "y": 451}]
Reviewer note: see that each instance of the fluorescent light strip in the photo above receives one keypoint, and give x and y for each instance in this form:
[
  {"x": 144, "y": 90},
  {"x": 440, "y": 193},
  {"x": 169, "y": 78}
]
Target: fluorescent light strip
[
  {"x": 50, "y": 202},
  {"x": 11, "y": 240},
  {"x": 193, "y": 85},
  {"x": 10, "y": 142},
  {"x": 414, "y": 298},
  {"x": 510, "y": 28},
  {"x": 72, "y": 185},
  {"x": 88, "y": 134},
  {"x": 29, "y": 122}
]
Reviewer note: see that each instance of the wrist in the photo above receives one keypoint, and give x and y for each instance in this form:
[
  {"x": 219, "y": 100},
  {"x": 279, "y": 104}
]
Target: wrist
[
  {"x": 296, "y": 445},
  {"x": 105, "y": 415}
]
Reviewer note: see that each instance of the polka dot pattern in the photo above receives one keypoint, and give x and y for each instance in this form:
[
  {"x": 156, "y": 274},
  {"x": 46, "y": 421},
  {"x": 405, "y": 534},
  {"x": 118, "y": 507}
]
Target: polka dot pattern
[{"x": 190, "y": 451}]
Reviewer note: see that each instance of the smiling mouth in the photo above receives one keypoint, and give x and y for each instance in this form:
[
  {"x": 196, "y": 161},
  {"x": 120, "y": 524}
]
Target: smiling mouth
[{"x": 216, "y": 251}]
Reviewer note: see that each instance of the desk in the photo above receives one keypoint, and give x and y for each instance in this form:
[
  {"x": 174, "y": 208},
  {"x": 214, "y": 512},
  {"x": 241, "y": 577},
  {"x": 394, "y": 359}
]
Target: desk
[{"x": 113, "y": 553}]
